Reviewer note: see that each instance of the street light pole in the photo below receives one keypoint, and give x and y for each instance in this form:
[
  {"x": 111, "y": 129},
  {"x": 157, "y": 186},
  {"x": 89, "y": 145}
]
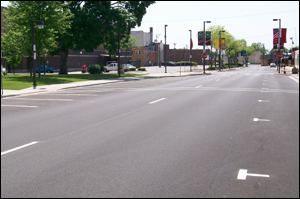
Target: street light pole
[
  {"x": 40, "y": 25},
  {"x": 165, "y": 48},
  {"x": 278, "y": 45},
  {"x": 204, "y": 42},
  {"x": 220, "y": 49},
  {"x": 190, "y": 49}
]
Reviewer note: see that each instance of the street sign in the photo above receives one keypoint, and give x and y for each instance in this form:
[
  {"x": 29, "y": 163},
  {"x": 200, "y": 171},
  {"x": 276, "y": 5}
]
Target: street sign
[
  {"x": 204, "y": 56},
  {"x": 279, "y": 55}
]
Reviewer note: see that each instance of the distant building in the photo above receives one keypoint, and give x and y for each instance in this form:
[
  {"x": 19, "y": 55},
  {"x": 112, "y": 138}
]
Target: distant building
[{"x": 144, "y": 38}]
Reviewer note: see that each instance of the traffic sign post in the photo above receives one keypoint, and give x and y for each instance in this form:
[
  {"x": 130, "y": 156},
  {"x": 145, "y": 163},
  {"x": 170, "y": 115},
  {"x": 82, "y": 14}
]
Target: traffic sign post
[{"x": 279, "y": 55}]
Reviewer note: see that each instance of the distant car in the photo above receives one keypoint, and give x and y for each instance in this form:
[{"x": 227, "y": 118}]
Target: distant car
[
  {"x": 169, "y": 63},
  {"x": 128, "y": 66},
  {"x": 272, "y": 65},
  {"x": 47, "y": 69},
  {"x": 114, "y": 67},
  {"x": 109, "y": 62}
]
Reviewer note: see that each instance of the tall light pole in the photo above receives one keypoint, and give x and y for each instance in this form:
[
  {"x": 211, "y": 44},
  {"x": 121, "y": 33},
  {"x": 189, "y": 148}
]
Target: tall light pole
[
  {"x": 40, "y": 25},
  {"x": 279, "y": 43},
  {"x": 263, "y": 55},
  {"x": 165, "y": 48},
  {"x": 220, "y": 49},
  {"x": 174, "y": 52},
  {"x": 190, "y": 49},
  {"x": 204, "y": 42}
]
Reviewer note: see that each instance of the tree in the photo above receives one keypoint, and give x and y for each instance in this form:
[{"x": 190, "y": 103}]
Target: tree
[
  {"x": 260, "y": 47},
  {"x": 72, "y": 25},
  {"x": 128, "y": 43},
  {"x": 99, "y": 22},
  {"x": 16, "y": 40}
]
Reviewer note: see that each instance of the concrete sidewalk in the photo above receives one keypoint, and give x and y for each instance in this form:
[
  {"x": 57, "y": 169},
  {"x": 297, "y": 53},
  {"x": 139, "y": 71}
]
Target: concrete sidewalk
[
  {"x": 54, "y": 87},
  {"x": 148, "y": 74}
]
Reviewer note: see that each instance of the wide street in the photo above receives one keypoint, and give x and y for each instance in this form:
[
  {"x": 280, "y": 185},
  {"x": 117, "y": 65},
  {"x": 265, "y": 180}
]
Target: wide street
[{"x": 228, "y": 134}]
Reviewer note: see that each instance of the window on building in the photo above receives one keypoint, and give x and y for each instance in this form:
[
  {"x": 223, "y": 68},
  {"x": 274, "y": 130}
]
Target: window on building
[
  {"x": 139, "y": 52},
  {"x": 136, "y": 52}
]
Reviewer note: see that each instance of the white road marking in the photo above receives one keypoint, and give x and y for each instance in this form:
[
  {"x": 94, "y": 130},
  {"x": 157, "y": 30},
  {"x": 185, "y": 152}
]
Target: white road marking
[
  {"x": 23, "y": 106},
  {"x": 294, "y": 79},
  {"x": 45, "y": 99},
  {"x": 157, "y": 101},
  {"x": 263, "y": 100},
  {"x": 198, "y": 86},
  {"x": 263, "y": 120},
  {"x": 243, "y": 174},
  {"x": 20, "y": 147},
  {"x": 73, "y": 94}
]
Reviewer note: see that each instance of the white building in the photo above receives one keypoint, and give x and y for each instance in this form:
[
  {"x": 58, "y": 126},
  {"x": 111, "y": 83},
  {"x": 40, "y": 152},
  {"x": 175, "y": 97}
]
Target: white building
[{"x": 144, "y": 38}]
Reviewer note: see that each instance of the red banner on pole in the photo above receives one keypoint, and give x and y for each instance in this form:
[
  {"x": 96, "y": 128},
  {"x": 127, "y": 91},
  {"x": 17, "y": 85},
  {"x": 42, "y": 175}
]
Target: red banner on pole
[
  {"x": 191, "y": 44},
  {"x": 276, "y": 35},
  {"x": 283, "y": 35},
  {"x": 275, "y": 46}
]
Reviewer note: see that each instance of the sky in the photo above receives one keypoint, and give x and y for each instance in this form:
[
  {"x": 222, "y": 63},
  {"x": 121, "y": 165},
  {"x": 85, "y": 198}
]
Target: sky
[{"x": 249, "y": 20}]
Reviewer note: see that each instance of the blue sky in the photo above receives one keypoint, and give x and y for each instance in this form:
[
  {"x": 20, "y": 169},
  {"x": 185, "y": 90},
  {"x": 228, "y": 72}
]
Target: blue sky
[{"x": 249, "y": 20}]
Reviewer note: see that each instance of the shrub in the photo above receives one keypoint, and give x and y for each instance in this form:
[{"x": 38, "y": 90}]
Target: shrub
[
  {"x": 142, "y": 69},
  {"x": 96, "y": 68},
  {"x": 212, "y": 68},
  {"x": 185, "y": 63},
  {"x": 240, "y": 64},
  {"x": 132, "y": 69}
]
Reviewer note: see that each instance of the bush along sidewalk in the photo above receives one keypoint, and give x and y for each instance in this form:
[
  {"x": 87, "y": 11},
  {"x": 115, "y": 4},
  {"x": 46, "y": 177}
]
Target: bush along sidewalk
[
  {"x": 96, "y": 69},
  {"x": 141, "y": 69}
]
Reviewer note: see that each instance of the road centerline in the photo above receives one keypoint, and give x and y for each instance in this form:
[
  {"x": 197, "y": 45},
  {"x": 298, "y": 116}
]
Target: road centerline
[
  {"x": 157, "y": 100},
  {"x": 18, "y": 148}
]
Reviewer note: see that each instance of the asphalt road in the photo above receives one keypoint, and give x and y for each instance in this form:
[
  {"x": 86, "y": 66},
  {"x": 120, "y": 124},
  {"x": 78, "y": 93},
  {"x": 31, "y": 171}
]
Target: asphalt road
[{"x": 229, "y": 134}]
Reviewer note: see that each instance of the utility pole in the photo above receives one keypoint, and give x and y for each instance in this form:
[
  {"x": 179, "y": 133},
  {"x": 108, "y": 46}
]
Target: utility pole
[
  {"x": 165, "y": 58},
  {"x": 174, "y": 52},
  {"x": 204, "y": 42},
  {"x": 190, "y": 49},
  {"x": 158, "y": 47}
]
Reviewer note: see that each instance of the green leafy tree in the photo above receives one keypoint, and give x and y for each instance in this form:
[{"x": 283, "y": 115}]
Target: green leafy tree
[
  {"x": 260, "y": 47},
  {"x": 236, "y": 47},
  {"x": 99, "y": 22},
  {"x": 16, "y": 41}
]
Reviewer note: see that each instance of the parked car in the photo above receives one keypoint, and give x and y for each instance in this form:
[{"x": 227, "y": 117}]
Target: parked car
[
  {"x": 272, "y": 65},
  {"x": 47, "y": 69},
  {"x": 114, "y": 67},
  {"x": 169, "y": 63},
  {"x": 109, "y": 62},
  {"x": 128, "y": 66}
]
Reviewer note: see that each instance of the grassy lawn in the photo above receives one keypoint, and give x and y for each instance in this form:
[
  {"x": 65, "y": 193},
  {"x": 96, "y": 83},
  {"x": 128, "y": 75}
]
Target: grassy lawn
[{"x": 18, "y": 82}]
